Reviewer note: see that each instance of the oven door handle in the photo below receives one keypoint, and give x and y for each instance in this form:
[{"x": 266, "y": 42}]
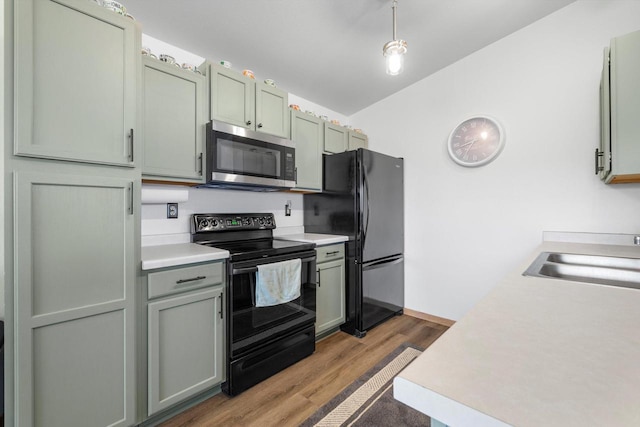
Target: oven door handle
[{"x": 235, "y": 271}]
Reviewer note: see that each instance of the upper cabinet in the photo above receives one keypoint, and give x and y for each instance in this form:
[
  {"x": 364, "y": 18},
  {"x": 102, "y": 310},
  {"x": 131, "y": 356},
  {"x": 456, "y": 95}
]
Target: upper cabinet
[
  {"x": 307, "y": 132},
  {"x": 618, "y": 159},
  {"x": 241, "y": 101},
  {"x": 272, "y": 110},
  {"x": 75, "y": 96},
  {"x": 357, "y": 140},
  {"x": 335, "y": 138},
  {"x": 174, "y": 121}
]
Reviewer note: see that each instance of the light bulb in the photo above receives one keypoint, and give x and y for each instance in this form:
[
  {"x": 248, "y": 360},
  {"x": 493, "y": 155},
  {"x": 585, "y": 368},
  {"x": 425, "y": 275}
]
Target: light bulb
[
  {"x": 393, "y": 53},
  {"x": 394, "y": 63}
]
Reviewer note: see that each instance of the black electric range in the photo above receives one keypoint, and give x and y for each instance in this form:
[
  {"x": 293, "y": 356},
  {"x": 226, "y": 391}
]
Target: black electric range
[{"x": 261, "y": 341}]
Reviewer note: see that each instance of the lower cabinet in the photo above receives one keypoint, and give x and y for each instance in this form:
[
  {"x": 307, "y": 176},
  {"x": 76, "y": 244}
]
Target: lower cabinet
[
  {"x": 185, "y": 333},
  {"x": 330, "y": 293},
  {"x": 74, "y": 284}
]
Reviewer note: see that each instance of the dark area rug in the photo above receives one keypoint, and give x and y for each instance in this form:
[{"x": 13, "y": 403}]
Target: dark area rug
[{"x": 369, "y": 401}]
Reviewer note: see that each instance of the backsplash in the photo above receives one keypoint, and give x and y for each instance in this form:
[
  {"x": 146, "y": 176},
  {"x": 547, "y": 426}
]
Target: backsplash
[{"x": 157, "y": 229}]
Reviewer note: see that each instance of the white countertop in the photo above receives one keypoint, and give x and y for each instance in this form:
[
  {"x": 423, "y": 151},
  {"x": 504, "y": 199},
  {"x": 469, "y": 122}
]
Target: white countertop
[
  {"x": 536, "y": 351},
  {"x": 318, "y": 239},
  {"x": 179, "y": 254}
]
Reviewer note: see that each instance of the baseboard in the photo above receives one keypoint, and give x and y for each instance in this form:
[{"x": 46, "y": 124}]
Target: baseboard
[{"x": 429, "y": 317}]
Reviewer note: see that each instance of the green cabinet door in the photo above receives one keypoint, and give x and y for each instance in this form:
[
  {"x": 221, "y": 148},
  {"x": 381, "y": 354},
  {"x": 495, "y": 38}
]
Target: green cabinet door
[
  {"x": 357, "y": 140},
  {"x": 307, "y": 132},
  {"x": 74, "y": 278},
  {"x": 330, "y": 299},
  {"x": 185, "y": 346},
  {"x": 330, "y": 291},
  {"x": 335, "y": 138},
  {"x": 173, "y": 131},
  {"x": 232, "y": 97},
  {"x": 272, "y": 110},
  {"x": 75, "y": 82}
]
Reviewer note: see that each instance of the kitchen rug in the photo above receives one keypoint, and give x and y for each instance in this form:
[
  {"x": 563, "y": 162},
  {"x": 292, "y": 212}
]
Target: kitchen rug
[{"x": 369, "y": 401}]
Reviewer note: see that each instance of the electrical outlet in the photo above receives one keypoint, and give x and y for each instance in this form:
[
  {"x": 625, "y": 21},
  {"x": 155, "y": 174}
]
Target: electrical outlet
[
  {"x": 172, "y": 210},
  {"x": 287, "y": 208}
]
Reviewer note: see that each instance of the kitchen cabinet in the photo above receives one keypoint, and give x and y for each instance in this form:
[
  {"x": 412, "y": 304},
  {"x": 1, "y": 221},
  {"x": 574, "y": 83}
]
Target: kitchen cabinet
[
  {"x": 357, "y": 140},
  {"x": 185, "y": 333},
  {"x": 335, "y": 138},
  {"x": 307, "y": 132},
  {"x": 75, "y": 274},
  {"x": 241, "y": 101},
  {"x": 173, "y": 122},
  {"x": 330, "y": 291},
  {"x": 75, "y": 82},
  {"x": 72, "y": 257},
  {"x": 617, "y": 160}
]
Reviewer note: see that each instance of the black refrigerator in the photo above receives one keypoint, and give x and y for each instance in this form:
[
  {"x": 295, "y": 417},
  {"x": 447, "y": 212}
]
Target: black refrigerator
[{"x": 363, "y": 198}]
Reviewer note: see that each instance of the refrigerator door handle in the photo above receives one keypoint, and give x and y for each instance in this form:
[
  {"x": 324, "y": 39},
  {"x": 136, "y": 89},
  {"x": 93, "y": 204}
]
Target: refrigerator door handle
[
  {"x": 383, "y": 263},
  {"x": 366, "y": 221}
]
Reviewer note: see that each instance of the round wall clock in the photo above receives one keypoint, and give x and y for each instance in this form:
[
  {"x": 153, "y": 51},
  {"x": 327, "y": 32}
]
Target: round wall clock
[{"x": 476, "y": 141}]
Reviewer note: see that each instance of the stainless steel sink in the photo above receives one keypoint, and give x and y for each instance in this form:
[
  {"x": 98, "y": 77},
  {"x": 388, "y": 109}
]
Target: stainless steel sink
[{"x": 602, "y": 270}]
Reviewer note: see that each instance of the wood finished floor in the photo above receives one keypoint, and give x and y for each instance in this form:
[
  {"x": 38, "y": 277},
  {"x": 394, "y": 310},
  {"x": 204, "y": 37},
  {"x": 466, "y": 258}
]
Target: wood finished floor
[{"x": 291, "y": 396}]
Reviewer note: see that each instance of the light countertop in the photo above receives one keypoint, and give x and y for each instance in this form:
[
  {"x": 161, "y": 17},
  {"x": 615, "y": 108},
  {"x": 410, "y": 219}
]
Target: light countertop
[
  {"x": 318, "y": 239},
  {"x": 536, "y": 351},
  {"x": 179, "y": 254}
]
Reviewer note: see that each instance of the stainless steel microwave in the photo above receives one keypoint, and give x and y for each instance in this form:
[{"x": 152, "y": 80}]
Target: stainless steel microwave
[{"x": 244, "y": 159}]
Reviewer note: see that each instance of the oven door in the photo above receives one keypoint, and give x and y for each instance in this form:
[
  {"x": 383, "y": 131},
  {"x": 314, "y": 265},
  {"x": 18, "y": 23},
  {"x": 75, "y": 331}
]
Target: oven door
[
  {"x": 240, "y": 156},
  {"x": 250, "y": 326}
]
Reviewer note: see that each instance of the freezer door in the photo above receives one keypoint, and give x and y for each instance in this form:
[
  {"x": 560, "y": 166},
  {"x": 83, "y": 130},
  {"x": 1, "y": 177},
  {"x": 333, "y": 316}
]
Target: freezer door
[
  {"x": 382, "y": 291},
  {"x": 382, "y": 205}
]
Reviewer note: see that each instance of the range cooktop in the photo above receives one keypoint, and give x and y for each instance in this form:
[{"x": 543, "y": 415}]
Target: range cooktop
[{"x": 245, "y": 236}]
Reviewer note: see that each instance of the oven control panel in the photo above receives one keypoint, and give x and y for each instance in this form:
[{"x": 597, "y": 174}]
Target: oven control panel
[{"x": 228, "y": 222}]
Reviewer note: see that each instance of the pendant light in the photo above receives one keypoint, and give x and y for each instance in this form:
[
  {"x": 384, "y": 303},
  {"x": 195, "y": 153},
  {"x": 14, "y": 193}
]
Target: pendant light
[{"x": 394, "y": 50}]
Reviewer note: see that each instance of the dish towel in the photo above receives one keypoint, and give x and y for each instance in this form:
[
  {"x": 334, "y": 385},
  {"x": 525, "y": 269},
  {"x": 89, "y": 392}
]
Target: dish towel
[{"x": 278, "y": 282}]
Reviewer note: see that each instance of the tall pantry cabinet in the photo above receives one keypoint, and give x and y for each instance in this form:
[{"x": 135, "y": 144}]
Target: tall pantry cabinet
[{"x": 72, "y": 213}]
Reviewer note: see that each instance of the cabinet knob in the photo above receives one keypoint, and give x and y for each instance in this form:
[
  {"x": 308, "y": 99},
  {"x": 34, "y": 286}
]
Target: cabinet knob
[
  {"x": 259, "y": 125},
  {"x": 248, "y": 122}
]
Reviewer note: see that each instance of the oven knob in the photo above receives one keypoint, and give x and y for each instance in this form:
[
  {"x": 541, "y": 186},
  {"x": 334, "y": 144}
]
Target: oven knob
[
  {"x": 246, "y": 221},
  {"x": 267, "y": 220},
  {"x": 261, "y": 221},
  {"x": 203, "y": 223},
  {"x": 214, "y": 222}
]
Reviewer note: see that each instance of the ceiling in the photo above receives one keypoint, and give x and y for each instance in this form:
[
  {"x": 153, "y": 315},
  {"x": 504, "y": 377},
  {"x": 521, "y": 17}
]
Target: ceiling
[{"x": 330, "y": 51}]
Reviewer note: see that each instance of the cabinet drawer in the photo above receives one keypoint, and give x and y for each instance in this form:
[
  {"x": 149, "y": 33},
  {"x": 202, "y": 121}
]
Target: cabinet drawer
[
  {"x": 329, "y": 253},
  {"x": 184, "y": 279}
]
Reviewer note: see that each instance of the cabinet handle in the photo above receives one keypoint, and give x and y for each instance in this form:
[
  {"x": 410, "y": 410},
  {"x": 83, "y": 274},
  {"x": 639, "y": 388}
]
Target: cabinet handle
[
  {"x": 295, "y": 175},
  {"x": 201, "y": 168},
  {"x": 248, "y": 122},
  {"x": 332, "y": 253},
  {"x": 193, "y": 279},
  {"x": 597, "y": 160},
  {"x": 130, "y": 189},
  {"x": 259, "y": 125},
  {"x": 131, "y": 145},
  {"x": 220, "y": 312},
  {"x": 318, "y": 278}
]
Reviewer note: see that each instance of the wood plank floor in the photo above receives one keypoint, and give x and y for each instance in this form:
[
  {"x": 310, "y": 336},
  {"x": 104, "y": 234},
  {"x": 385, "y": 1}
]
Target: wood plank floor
[{"x": 291, "y": 396}]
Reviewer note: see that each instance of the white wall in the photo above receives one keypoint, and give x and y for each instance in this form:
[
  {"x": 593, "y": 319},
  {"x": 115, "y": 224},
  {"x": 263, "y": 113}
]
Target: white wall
[
  {"x": 157, "y": 229},
  {"x": 465, "y": 227}
]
